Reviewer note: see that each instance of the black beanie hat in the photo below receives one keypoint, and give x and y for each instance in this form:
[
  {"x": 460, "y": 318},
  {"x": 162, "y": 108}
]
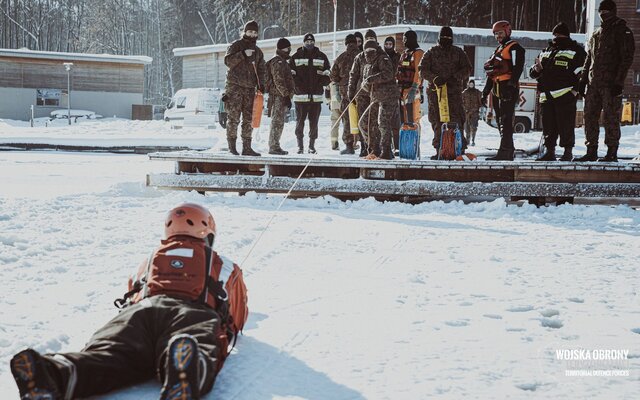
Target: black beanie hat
[
  {"x": 370, "y": 34},
  {"x": 309, "y": 36},
  {"x": 390, "y": 39},
  {"x": 283, "y": 43},
  {"x": 561, "y": 29},
  {"x": 370, "y": 44},
  {"x": 359, "y": 35},
  {"x": 607, "y": 5},
  {"x": 411, "y": 35},
  {"x": 445, "y": 31},
  {"x": 350, "y": 38},
  {"x": 251, "y": 26}
]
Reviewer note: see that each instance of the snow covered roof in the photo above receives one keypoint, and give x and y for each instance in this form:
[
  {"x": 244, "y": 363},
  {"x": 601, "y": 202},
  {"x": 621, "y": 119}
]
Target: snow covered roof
[
  {"x": 381, "y": 31},
  {"x": 53, "y": 55}
]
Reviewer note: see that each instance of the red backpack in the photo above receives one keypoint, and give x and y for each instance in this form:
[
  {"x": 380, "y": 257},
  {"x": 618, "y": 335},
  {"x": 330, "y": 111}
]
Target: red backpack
[{"x": 185, "y": 267}]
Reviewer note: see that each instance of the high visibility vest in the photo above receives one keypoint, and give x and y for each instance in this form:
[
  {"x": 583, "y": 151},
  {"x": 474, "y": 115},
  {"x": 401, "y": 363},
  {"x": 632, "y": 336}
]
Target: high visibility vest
[{"x": 505, "y": 54}]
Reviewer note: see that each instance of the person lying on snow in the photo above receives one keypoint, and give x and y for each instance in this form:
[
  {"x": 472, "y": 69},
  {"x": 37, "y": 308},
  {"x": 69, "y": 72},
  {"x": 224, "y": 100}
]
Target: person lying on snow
[{"x": 185, "y": 305}]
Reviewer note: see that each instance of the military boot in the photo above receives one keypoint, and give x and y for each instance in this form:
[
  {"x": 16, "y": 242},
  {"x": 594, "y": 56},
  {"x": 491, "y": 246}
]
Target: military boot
[
  {"x": 568, "y": 154},
  {"x": 247, "y": 150},
  {"x": 312, "y": 149},
  {"x": 592, "y": 155},
  {"x": 232, "y": 147},
  {"x": 300, "y": 146},
  {"x": 348, "y": 150},
  {"x": 549, "y": 155},
  {"x": 612, "y": 155},
  {"x": 38, "y": 377}
]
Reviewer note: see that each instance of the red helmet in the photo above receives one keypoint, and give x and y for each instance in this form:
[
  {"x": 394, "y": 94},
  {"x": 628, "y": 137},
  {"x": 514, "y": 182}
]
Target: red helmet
[
  {"x": 190, "y": 219},
  {"x": 502, "y": 26}
]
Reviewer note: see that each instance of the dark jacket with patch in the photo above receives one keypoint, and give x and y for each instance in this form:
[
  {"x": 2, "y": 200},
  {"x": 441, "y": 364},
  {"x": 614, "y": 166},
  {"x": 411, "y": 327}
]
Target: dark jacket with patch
[
  {"x": 240, "y": 70},
  {"x": 562, "y": 64},
  {"x": 609, "y": 55},
  {"x": 309, "y": 82}
]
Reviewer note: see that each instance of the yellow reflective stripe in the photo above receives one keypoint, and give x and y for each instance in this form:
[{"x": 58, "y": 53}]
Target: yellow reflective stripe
[
  {"x": 570, "y": 54},
  {"x": 578, "y": 70},
  {"x": 300, "y": 62},
  {"x": 300, "y": 98},
  {"x": 318, "y": 63},
  {"x": 560, "y": 92},
  {"x": 318, "y": 98}
]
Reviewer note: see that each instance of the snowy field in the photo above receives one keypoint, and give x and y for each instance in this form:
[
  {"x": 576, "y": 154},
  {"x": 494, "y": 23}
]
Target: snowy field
[{"x": 355, "y": 300}]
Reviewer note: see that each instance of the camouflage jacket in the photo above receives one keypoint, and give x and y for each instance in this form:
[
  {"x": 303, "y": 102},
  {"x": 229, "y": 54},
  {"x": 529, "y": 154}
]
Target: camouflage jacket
[
  {"x": 240, "y": 70},
  {"x": 355, "y": 75},
  {"x": 449, "y": 63},
  {"x": 342, "y": 65},
  {"x": 609, "y": 55},
  {"x": 279, "y": 77},
  {"x": 471, "y": 100},
  {"x": 379, "y": 77}
]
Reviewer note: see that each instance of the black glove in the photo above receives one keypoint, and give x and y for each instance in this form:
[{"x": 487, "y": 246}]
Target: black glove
[
  {"x": 483, "y": 101},
  {"x": 421, "y": 98},
  {"x": 287, "y": 102},
  {"x": 582, "y": 88},
  {"x": 261, "y": 88},
  {"x": 439, "y": 81},
  {"x": 616, "y": 90},
  {"x": 224, "y": 97}
]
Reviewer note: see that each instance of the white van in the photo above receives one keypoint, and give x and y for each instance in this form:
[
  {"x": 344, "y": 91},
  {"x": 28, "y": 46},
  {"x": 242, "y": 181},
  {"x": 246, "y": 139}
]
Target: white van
[{"x": 197, "y": 105}]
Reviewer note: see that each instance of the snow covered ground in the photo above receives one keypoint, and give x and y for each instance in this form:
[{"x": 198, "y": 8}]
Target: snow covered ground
[{"x": 355, "y": 300}]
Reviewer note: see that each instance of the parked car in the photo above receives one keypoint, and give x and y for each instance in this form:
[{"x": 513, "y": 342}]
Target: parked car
[{"x": 196, "y": 104}]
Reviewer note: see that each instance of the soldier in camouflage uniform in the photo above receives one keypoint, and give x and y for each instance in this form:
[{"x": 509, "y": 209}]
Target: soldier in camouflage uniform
[
  {"x": 379, "y": 80},
  {"x": 246, "y": 72},
  {"x": 340, "y": 76},
  {"x": 445, "y": 64},
  {"x": 394, "y": 56},
  {"x": 362, "y": 100},
  {"x": 609, "y": 56},
  {"x": 471, "y": 102},
  {"x": 280, "y": 87}
]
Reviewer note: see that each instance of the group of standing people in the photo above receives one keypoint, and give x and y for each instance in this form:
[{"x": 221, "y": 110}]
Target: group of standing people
[{"x": 386, "y": 88}]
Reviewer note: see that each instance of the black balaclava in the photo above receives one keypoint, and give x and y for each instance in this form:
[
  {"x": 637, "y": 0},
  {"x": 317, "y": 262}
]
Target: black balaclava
[
  {"x": 309, "y": 36},
  {"x": 390, "y": 52},
  {"x": 250, "y": 26},
  {"x": 283, "y": 48},
  {"x": 607, "y": 10},
  {"x": 410, "y": 40},
  {"x": 370, "y": 50},
  {"x": 445, "y": 39}
]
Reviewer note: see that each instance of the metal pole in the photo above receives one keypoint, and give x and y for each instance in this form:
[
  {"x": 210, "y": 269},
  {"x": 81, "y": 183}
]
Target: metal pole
[
  {"x": 335, "y": 26},
  {"x": 69, "y": 94},
  {"x": 538, "y": 15},
  {"x": 398, "y": 13},
  {"x": 32, "y": 115},
  {"x": 206, "y": 27},
  {"x": 318, "y": 16}
]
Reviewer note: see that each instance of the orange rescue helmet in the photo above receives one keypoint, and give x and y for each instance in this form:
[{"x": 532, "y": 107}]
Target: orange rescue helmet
[
  {"x": 502, "y": 26},
  {"x": 190, "y": 219}
]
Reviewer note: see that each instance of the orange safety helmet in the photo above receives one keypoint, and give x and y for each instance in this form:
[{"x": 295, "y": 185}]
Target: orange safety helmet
[
  {"x": 502, "y": 26},
  {"x": 190, "y": 219}
]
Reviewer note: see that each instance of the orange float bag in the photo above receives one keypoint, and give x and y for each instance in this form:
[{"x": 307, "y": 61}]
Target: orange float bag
[{"x": 258, "y": 105}]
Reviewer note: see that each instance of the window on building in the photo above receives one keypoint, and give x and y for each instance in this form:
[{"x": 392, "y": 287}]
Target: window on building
[
  {"x": 49, "y": 97},
  {"x": 636, "y": 78}
]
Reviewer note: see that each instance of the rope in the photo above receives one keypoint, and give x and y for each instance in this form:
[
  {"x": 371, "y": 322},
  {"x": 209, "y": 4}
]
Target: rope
[{"x": 273, "y": 215}]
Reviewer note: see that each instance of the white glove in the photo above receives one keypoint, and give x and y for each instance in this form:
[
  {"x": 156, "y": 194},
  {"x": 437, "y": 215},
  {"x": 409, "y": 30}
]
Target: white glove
[
  {"x": 249, "y": 52},
  {"x": 293, "y": 72},
  {"x": 326, "y": 72}
]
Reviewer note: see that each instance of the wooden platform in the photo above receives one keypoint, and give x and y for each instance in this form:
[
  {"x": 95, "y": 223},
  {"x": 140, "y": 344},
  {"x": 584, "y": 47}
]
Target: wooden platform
[{"x": 355, "y": 177}]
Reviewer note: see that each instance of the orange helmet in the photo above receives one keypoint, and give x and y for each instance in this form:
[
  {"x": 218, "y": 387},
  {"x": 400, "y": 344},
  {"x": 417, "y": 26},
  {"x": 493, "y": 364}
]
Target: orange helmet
[
  {"x": 502, "y": 26},
  {"x": 190, "y": 219}
]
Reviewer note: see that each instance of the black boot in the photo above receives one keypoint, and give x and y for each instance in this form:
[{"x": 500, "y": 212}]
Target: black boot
[
  {"x": 568, "y": 154},
  {"x": 312, "y": 149},
  {"x": 335, "y": 146},
  {"x": 612, "y": 155},
  {"x": 364, "y": 151},
  {"x": 592, "y": 155},
  {"x": 232, "y": 147},
  {"x": 247, "y": 150},
  {"x": 386, "y": 153},
  {"x": 36, "y": 376},
  {"x": 348, "y": 150},
  {"x": 300, "y": 146},
  {"x": 549, "y": 155},
  {"x": 181, "y": 370},
  {"x": 278, "y": 151}
]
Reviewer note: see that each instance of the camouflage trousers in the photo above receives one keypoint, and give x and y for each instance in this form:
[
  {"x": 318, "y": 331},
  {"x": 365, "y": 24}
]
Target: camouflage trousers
[
  {"x": 456, "y": 112},
  {"x": 471, "y": 126},
  {"x": 278, "y": 113},
  {"x": 347, "y": 136},
  {"x": 367, "y": 124},
  {"x": 597, "y": 100},
  {"x": 382, "y": 115},
  {"x": 239, "y": 102}
]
